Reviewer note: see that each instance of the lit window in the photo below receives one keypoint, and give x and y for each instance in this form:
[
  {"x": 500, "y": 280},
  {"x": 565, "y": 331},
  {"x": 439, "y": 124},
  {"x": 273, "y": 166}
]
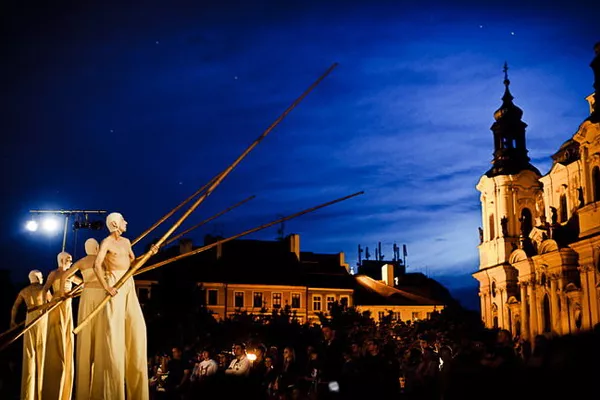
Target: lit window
[
  {"x": 238, "y": 299},
  {"x": 316, "y": 303},
  {"x": 416, "y": 315},
  {"x": 330, "y": 301},
  {"x": 295, "y": 300},
  {"x": 213, "y": 297},
  {"x": 428, "y": 315},
  {"x": 276, "y": 300},
  {"x": 258, "y": 300},
  {"x": 381, "y": 315}
]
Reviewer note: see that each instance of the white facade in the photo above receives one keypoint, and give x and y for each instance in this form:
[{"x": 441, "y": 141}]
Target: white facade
[{"x": 539, "y": 267}]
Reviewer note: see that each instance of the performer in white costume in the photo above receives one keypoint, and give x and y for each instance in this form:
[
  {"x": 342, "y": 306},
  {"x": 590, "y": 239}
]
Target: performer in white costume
[
  {"x": 58, "y": 367},
  {"x": 34, "y": 341},
  {"x": 124, "y": 363},
  {"x": 88, "y": 386}
]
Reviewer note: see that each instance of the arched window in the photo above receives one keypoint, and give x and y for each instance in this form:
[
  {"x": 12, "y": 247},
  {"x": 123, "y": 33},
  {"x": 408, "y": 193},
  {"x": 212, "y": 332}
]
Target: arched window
[
  {"x": 495, "y": 322},
  {"x": 493, "y": 289},
  {"x": 547, "y": 320},
  {"x": 564, "y": 214},
  {"x": 492, "y": 230},
  {"x": 596, "y": 183}
]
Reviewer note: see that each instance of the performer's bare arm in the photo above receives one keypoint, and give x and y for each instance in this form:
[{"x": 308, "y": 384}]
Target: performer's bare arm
[
  {"x": 70, "y": 273},
  {"x": 98, "y": 270},
  {"x": 15, "y": 309},
  {"x": 49, "y": 282},
  {"x": 131, "y": 253}
]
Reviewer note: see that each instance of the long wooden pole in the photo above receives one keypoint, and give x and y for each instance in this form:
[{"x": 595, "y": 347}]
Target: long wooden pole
[
  {"x": 206, "y": 221},
  {"x": 14, "y": 328},
  {"x": 249, "y": 231},
  {"x": 139, "y": 263},
  {"x": 76, "y": 291},
  {"x": 173, "y": 211}
]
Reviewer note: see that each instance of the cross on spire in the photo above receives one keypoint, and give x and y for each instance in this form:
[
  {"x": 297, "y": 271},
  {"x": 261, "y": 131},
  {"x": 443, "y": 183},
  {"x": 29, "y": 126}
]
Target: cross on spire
[{"x": 505, "y": 70}]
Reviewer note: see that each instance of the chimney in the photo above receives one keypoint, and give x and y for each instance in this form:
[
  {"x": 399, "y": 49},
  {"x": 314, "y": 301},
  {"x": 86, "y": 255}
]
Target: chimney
[
  {"x": 210, "y": 239},
  {"x": 185, "y": 246},
  {"x": 387, "y": 274},
  {"x": 294, "y": 244},
  {"x": 343, "y": 262}
]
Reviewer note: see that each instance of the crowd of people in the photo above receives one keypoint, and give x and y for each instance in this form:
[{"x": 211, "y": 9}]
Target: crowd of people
[{"x": 437, "y": 359}]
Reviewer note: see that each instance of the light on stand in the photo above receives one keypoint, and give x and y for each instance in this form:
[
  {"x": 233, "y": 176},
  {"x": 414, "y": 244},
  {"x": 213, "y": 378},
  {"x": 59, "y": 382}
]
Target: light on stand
[
  {"x": 50, "y": 224},
  {"x": 31, "y": 226}
]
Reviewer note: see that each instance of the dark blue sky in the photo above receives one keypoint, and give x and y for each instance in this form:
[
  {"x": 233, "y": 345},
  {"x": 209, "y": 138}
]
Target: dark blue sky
[{"x": 131, "y": 108}]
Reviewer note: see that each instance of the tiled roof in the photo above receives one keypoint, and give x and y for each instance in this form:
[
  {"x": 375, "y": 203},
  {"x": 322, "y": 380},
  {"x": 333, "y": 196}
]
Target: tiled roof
[{"x": 372, "y": 292}]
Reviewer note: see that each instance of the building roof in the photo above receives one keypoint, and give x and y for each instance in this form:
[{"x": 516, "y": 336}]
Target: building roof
[
  {"x": 371, "y": 292},
  {"x": 254, "y": 262}
]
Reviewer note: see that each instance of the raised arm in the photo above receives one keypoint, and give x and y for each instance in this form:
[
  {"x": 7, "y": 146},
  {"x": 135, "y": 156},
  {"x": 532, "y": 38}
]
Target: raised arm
[
  {"x": 15, "y": 309},
  {"x": 69, "y": 274},
  {"x": 98, "y": 270}
]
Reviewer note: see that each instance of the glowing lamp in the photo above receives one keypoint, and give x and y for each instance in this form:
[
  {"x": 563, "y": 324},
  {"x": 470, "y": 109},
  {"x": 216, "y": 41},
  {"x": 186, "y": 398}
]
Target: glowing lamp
[
  {"x": 251, "y": 357},
  {"x": 31, "y": 226},
  {"x": 50, "y": 224}
]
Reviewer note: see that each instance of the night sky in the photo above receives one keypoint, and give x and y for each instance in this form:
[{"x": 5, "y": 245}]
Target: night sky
[{"x": 132, "y": 108}]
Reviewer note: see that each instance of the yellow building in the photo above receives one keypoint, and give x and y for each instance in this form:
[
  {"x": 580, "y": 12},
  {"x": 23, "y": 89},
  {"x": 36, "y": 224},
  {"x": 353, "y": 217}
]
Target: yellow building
[
  {"x": 540, "y": 241},
  {"x": 257, "y": 277}
]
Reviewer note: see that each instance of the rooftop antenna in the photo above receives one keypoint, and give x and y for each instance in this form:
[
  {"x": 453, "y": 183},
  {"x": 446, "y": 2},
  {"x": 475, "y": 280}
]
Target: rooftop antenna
[
  {"x": 396, "y": 252},
  {"x": 360, "y": 251},
  {"x": 380, "y": 254},
  {"x": 404, "y": 254},
  {"x": 367, "y": 254},
  {"x": 281, "y": 229},
  {"x": 377, "y": 253}
]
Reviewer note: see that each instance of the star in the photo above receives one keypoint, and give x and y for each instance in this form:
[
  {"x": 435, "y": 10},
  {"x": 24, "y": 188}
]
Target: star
[
  {"x": 111, "y": 131},
  {"x": 480, "y": 26},
  {"x": 181, "y": 183},
  {"x": 157, "y": 42},
  {"x": 235, "y": 77},
  {"x": 512, "y": 33}
]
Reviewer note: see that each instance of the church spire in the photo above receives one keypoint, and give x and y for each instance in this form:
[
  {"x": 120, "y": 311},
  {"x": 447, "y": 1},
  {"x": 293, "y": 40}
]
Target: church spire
[
  {"x": 507, "y": 98},
  {"x": 510, "y": 150}
]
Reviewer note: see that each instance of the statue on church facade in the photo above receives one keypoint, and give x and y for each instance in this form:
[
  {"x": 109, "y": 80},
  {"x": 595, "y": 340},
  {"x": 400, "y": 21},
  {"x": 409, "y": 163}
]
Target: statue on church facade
[
  {"x": 504, "y": 225},
  {"x": 480, "y": 235},
  {"x": 554, "y": 217}
]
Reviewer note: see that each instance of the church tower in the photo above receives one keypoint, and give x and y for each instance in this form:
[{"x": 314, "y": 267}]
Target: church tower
[{"x": 511, "y": 205}]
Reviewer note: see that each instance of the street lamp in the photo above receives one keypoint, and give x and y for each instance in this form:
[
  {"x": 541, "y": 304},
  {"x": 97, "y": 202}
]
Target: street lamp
[{"x": 51, "y": 224}]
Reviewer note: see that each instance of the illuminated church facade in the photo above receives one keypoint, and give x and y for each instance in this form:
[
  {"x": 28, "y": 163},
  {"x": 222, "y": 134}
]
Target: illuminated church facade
[{"x": 539, "y": 248}]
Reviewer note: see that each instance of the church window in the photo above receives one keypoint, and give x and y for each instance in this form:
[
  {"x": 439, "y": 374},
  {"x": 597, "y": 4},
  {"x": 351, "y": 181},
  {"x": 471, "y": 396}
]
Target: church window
[
  {"x": 596, "y": 183},
  {"x": 491, "y": 227},
  {"x": 547, "y": 320},
  {"x": 563, "y": 208},
  {"x": 493, "y": 289}
]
